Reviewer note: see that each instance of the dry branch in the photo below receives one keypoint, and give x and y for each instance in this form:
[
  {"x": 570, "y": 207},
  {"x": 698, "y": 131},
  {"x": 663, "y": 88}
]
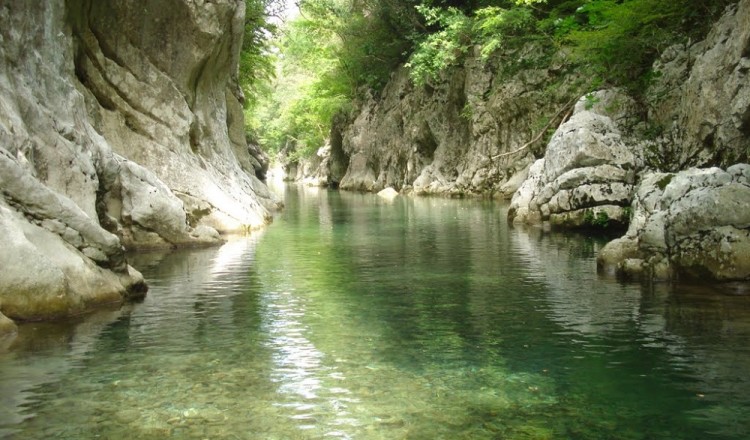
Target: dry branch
[{"x": 541, "y": 133}]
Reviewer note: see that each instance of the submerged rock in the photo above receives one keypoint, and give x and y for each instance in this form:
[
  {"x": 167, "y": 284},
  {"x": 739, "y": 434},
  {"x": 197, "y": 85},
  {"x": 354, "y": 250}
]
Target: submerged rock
[
  {"x": 695, "y": 223},
  {"x": 7, "y": 327},
  {"x": 388, "y": 193}
]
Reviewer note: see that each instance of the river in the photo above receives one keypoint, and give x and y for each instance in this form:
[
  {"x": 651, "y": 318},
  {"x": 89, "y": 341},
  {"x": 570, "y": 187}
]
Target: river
[{"x": 353, "y": 317}]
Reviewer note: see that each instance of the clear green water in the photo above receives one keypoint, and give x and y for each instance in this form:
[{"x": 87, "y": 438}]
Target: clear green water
[{"x": 352, "y": 317}]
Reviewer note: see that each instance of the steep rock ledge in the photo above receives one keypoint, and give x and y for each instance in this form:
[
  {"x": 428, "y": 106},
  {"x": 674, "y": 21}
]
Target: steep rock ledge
[
  {"x": 120, "y": 123},
  {"x": 160, "y": 78}
]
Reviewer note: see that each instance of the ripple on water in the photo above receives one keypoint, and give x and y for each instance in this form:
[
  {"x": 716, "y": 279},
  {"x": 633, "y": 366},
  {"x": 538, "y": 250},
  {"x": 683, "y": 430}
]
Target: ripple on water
[{"x": 418, "y": 319}]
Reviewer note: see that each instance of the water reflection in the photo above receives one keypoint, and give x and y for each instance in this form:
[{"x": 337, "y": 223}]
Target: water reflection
[
  {"x": 354, "y": 317},
  {"x": 41, "y": 354},
  {"x": 698, "y": 333}
]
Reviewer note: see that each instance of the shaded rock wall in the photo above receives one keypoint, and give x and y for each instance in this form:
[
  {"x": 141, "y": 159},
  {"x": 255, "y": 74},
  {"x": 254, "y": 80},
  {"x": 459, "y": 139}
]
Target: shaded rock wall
[
  {"x": 701, "y": 102},
  {"x": 120, "y": 123}
]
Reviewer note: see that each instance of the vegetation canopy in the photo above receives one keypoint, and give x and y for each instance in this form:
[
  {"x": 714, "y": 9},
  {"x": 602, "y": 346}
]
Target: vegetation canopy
[{"x": 299, "y": 74}]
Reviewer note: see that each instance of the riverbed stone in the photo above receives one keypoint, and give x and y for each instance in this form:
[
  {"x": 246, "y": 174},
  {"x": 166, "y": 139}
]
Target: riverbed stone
[
  {"x": 8, "y": 328},
  {"x": 388, "y": 193}
]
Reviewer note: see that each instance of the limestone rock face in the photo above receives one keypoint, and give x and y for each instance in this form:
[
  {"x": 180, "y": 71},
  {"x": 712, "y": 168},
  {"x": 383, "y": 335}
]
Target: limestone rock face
[
  {"x": 120, "y": 124},
  {"x": 161, "y": 81},
  {"x": 701, "y": 102},
  {"x": 695, "y": 223},
  {"x": 314, "y": 171},
  {"x": 452, "y": 137},
  {"x": 587, "y": 173}
]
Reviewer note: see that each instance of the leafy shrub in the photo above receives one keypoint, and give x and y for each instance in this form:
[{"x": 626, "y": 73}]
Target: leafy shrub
[
  {"x": 441, "y": 49},
  {"x": 494, "y": 26}
]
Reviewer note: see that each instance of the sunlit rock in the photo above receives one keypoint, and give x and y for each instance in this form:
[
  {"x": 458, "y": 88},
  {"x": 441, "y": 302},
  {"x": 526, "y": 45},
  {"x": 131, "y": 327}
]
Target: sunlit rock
[
  {"x": 46, "y": 276},
  {"x": 388, "y": 193},
  {"x": 119, "y": 125},
  {"x": 586, "y": 175},
  {"x": 695, "y": 223}
]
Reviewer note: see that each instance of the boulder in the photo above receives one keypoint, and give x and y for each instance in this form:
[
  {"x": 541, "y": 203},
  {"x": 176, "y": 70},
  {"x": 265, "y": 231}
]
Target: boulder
[
  {"x": 587, "y": 174},
  {"x": 693, "y": 224},
  {"x": 52, "y": 269},
  {"x": 388, "y": 193}
]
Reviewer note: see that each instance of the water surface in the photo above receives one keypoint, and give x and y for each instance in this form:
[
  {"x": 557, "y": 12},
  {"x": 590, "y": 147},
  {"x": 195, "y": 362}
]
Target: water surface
[{"x": 356, "y": 318}]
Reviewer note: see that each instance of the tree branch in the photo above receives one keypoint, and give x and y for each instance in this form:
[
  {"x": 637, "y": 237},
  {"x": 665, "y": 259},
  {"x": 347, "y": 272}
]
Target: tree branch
[{"x": 541, "y": 133}]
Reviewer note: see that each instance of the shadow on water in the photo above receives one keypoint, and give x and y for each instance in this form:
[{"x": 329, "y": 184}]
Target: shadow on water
[{"x": 356, "y": 317}]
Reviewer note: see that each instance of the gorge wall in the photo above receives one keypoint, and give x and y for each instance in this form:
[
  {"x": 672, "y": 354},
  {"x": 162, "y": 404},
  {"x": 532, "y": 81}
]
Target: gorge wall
[
  {"x": 473, "y": 132},
  {"x": 454, "y": 136},
  {"x": 121, "y": 126}
]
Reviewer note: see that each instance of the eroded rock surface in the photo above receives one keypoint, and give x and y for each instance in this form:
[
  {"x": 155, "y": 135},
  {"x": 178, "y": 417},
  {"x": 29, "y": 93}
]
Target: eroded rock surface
[
  {"x": 160, "y": 79},
  {"x": 695, "y": 223},
  {"x": 701, "y": 101},
  {"x": 120, "y": 124},
  {"x": 586, "y": 175}
]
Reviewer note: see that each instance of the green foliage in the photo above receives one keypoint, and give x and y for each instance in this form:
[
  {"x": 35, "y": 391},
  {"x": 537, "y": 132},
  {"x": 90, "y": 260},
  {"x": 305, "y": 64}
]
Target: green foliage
[
  {"x": 333, "y": 49},
  {"x": 590, "y": 99},
  {"x": 467, "y": 113},
  {"x": 443, "y": 48},
  {"x": 490, "y": 27},
  {"x": 665, "y": 181},
  {"x": 600, "y": 220},
  {"x": 494, "y": 26},
  {"x": 298, "y": 78},
  {"x": 614, "y": 42},
  {"x": 620, "y": 39},
  {"x": 256, "y": 59},
  {"x": 306, "y": 94}
]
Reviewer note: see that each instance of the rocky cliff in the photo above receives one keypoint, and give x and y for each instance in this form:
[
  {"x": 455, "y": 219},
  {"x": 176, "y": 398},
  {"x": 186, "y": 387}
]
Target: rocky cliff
[
  {"x": 462, "y": 135},
  {"x": 693, "y": 222},
  {"x": 120, "y": 124},
  {"x": 482, "y": 129}
]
